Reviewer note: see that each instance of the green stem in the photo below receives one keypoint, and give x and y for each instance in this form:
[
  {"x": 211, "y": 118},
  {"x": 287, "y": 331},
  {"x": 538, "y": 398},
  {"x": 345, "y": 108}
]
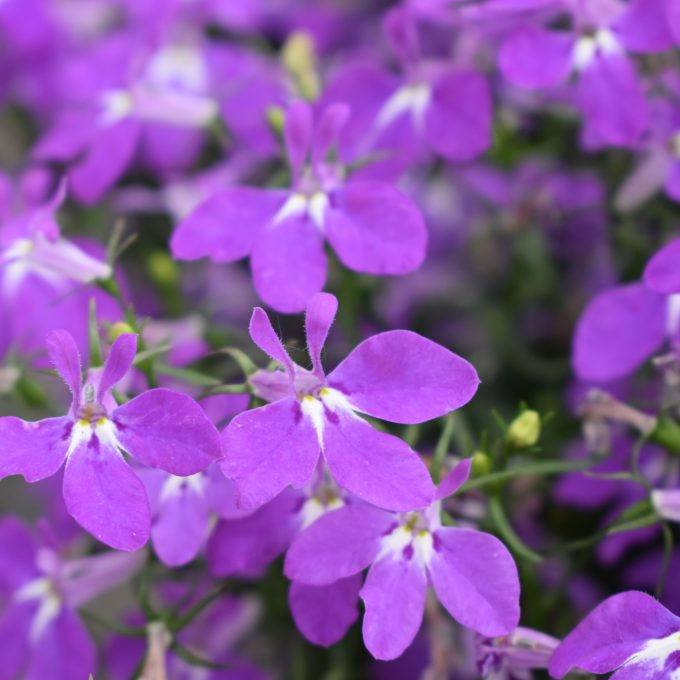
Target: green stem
[{"x": 515, "y": 543}]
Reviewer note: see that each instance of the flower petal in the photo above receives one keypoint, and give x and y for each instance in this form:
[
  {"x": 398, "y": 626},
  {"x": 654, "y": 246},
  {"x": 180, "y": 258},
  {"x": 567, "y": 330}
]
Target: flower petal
[
  {"x": 379, "y": 468},
  {"x": 454, "y": 480},
  {"x": 339, "y": 544},
  {"x": 264, "y": 336},
  {"x": 476, "y": 579},
  {"x": 118, "y": 363},
  {"x": 324, "y": 614},
  {"x": 64, "y": 355},
  {"x": 167, "y": 430},
  {"x": 18, "y": 553},
  {"x": 105, "y": 496},
  {"x": 644, "y": 27},
  {"x": 459, "y": 116},
  {"x": 319, "y": 318},
  {"x": 15, "y": 626},
  {"x": 289, "y": 264},
  {"x": 534, "y": 57},
  {"x": 267, "y": 449},
  {"x": 394, "y": 596},
  {"x": 662, "y": 272},
  {"x": 619, "y": 329},
  {"x": 297, "y": 134},
  {"x": 615, "y": 630},
  {"x": 403, "y": 377},
  {"x": 64, "y": 651},
  {"x": 34, "y": 450},
  {"x": 105, "y": 161},
  {"x": 252, "y": 542},
  {"x": 328, "y": 129},
  {"x": 224, "y": 227},
  {"x": 376, "y": 229},
  {"x": 180, "y": 526}
]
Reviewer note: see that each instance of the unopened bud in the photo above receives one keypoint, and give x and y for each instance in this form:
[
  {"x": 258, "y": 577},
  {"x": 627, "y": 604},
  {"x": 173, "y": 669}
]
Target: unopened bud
[
  {"x": 162, "y": 268},
  {"x": 276, "y": 117},
  {"x": 118, "y": 329},
  {"x": 299, "y": 58},
  {"x": 481, "y": 464},
  {"x": 524, "y": 430}
]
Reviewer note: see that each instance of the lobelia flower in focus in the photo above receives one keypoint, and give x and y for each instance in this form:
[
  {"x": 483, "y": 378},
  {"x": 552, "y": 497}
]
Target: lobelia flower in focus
[
  {"x": 159, "y": 428},
  {"x": 630, "y": 633},
  {"x": 596, "y": 49},
  {"x": 373, "y": 227},
  {"x": 472, "y": 572},
  {"x": 397, "y": 376},
  {"x": 41, "y": 635}
]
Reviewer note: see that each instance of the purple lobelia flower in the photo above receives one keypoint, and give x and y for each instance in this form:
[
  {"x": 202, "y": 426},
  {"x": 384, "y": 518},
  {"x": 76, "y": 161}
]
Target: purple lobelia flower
[
  {"x": 596, "y": 49},
  {"x": 433, "y": 105},
  {"x": 372, "y": 227},
  {"x": 630, "y": 633},
  {"x": 160, "y": 428},
  {"x": 659, "y": 164},
  {"x": 41, "y": 634},
  {"x": 514, "y": 656},
  {"x": 397, "y": 376},
  {"x": 621, "y": 328},
  {"x": 185, "y": 507},
  {"x": 472, "y": 572}
]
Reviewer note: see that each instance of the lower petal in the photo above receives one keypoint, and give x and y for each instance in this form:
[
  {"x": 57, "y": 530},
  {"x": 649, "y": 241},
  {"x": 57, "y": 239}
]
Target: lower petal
[
  {"x": 476, "y": 580},
  {"x": 289, "y": 264},
  {"x": 35, "y": 450},
  {"x": 323, "y": 614},
  {"x": 180, "y": 527},
  {"x": 267, "y": 449},
  {"x": 379, "y": 468},
  {"x": 394, "y": 596},
  {"x": 64, "y": 651},
  {"x": 15, "y": 626},
  {"x": 105, "y": 496}
]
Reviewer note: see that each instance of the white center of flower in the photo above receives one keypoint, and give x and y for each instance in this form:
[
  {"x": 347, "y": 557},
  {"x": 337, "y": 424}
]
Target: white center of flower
[
  {"x": 655, "y": 653},
  {"x": 297, "y": 204},
  {"x": 116, "y": 105},
  {"x": 413, "y": 99},
  {"x": 173, "y": 485},
  {"x": 313, "y": 408},
  {"x": 180, "y": 66},
  {"x": 587, "y": 47},
  {"x": 673, "y": 314},
  {"x": 411, "y": 539},
  {"x": 41, "y": 589}
]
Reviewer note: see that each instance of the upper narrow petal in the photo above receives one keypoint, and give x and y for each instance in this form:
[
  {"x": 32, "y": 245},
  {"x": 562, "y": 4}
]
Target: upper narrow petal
[
  {"x": 64, "y": 355},
  {"x": 118, "y": 363},
  {"x": 318, "y": 321},
  {"x": 403, "y": 377},
  {"x": 167, "y": 430}
]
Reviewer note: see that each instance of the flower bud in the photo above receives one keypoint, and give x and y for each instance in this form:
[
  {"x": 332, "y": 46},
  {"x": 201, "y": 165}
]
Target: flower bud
[
  {"x": 481, "y": 464},
  {"x": 118, "y": 329},
  {"x": 162, "y": 268},
  {"x": 299, "y": 58},
  {"x": 524, "y": 430}
]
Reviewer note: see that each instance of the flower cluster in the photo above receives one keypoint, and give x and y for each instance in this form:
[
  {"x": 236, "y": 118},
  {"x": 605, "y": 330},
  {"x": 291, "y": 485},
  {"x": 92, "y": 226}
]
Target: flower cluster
[{"x": 468, "y": 442}]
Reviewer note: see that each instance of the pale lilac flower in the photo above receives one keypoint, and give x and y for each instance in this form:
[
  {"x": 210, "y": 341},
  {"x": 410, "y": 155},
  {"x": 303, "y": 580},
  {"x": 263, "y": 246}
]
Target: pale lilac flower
[
  {"x": 630, "y": 633},
  {"x": 430, "y": 106},
  {"x": 41, "y": 635},
  {"x": 372, "y": 227},
  {"x": 514, "y": 656},
  {"x": 472, "y": 572},
  {"x": 160, "y": 428},
  {"x": 595, "y": 49},
  {"x": 397, "y": 376}
]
